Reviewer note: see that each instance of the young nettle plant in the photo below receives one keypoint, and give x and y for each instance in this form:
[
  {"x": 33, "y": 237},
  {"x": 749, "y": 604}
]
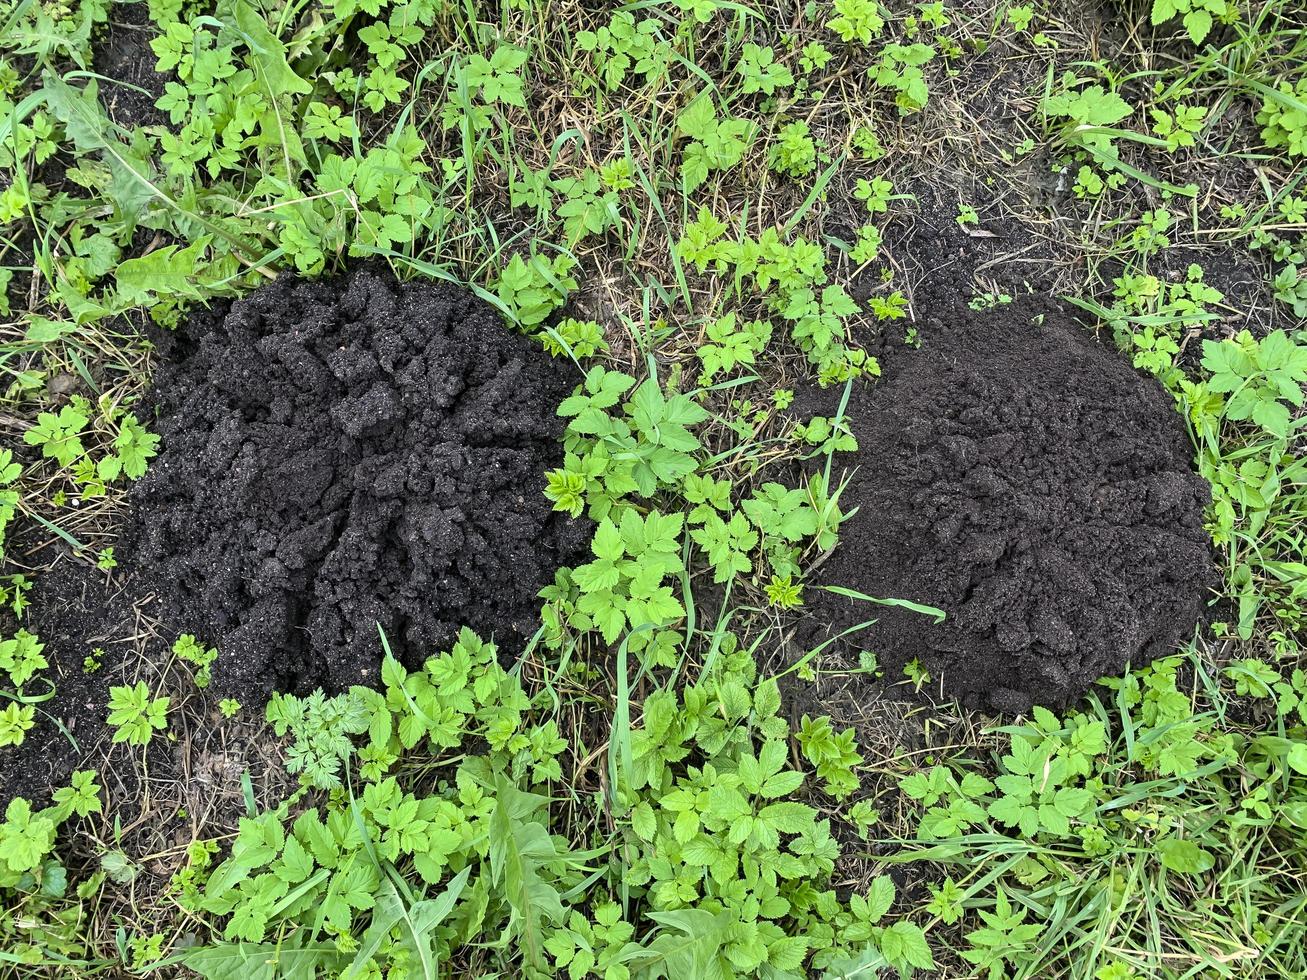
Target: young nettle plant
[
  {"x": 496, "y": 79},
  {"x": 900, "y": 70},
  {"x": 1290, "y": 286},
  {"x": 589, "y": 202},
  {"x": 587, "y": 207},
  {"x": 1085, "y": 115},
  {"x": 1089, "y": 183},
  {"x": 794, "y": 153},
  {"x": 473, "y": 852},
  {"x": 727, "y": 542},
  {"x": 783, "y": 592},
  {"x": 761, "y": 72},
  {"x": 715, "y": 142},
  {"x": 726, "y": 851},
  {"x": 624, "y": 587},
  {"x": 21, "y": 657},
  {"x": 867, "y": 247},
  {"x": 61, "y": 436},
  {"x": 531, "y": 289},
  {"x": 1167, "y": 309},
  {"x": 607, "y": 456},
  {"x": 1258, "y": 377},
  {"x": 1179, "y": 127},
  {"x": 786, "y": 517},
  {"x": 580, "y": 338},
  {"x": 626, "y": 46},
  {"x": 875, "y": 193},
  {"x": 826, "y": 436},
  {"x": 1197, "y": 16},
  {"x": 27, "y": 840},
  {"x": 833, "y": 754},
  {"x": 793, "y": 279},
  {"x": 20, "y": 660},
  {"x": 1120, "y": 786},
  {"x": 856, "y": 20},
  {"x": 16, "y": 720},
  {"x": 814, "y": 57},
  {"x": 135, "y": 715},
  {"x": 730, "y": 344},
  {"x": 1283, "y": 116}
]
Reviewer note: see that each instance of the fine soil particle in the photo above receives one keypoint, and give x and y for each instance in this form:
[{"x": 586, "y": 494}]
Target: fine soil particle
[
  {"x": 1023, "y": 478},
  {"x": 346, "y": 453}
]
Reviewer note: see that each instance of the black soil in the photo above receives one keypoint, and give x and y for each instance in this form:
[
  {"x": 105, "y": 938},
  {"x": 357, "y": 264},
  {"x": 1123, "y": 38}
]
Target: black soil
[
  {"x": 1025, "y": 479},
  {"x": 346, "y": 453},
  {"x": 129, "y": 86},
  {"x": 74, "y": 610}
]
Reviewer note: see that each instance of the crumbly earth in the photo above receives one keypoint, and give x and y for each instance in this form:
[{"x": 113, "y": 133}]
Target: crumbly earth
[
  {"x": 348, "y": 453},
  {"x": 1026, "y": 480},
  {"x": 74, "y": 610}
]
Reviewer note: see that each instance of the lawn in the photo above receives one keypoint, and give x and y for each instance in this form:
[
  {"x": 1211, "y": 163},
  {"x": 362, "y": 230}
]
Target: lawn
[{"x": 689, "y": 489}]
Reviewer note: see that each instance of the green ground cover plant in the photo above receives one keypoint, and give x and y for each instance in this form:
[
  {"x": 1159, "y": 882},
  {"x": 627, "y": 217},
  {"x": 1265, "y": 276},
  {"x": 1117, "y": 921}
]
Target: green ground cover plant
[{"x": 704, "y": 204}]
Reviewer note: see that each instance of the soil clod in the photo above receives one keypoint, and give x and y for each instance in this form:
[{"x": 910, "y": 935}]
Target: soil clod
[
  {"x": 346, "y": 453},
  {"x": 1025, "y": 479}
]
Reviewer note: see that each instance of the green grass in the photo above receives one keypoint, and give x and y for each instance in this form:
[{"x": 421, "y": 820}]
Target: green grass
[{"x": 681, "y": 197}]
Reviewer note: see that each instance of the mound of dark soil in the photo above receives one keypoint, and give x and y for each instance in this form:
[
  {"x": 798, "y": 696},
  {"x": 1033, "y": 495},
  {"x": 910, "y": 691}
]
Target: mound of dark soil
[
  {"x": 349, "y": 452},
  {"x": 1026, "y": 480}
]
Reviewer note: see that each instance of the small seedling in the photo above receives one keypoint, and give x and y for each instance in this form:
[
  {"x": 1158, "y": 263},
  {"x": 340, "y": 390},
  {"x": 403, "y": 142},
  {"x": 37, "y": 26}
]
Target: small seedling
[
  {"x": 761, "y": 71},
  {"x": 987, "y": 301},
  {"x": 795, "y": 152},
  {"x": 16, "y": 720},
  {"x": 784, "y": 593},
  {"x": 867, "y": 247},
  {"x": 1020, "y": 17},
  {"x": 814, "y": 58},
  {"x": 916, "y": 674},
  {"x": 832, "y": 753},
  {"x": 193, "y": 652},
  {"x": 20, "y": 657},
  {"x": 856, "y": 20},
  {"x": 135, "y": 715}
]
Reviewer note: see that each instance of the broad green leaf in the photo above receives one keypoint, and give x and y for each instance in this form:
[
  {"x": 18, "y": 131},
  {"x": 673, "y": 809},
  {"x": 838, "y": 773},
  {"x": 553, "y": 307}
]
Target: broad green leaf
[
  {"x": 866, "y": 965},
  {"x": 264, "y": 961},
  {"x": 268, "y": 53},
  {"x": 41, "y": 330},
  {"x": 880, "y": 896},
  {"x": 905, "y": 942},
  {"x": 165, "y": 272},
  {"x": 688, "y": 944},
  {"x": 643, "y": 821},
  {"x": 1184, "y": 856},
  {"x": 518, "y": 850}
]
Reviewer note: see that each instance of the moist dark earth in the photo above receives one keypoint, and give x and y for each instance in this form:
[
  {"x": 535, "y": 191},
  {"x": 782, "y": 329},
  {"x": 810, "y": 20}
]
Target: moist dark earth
[
  {"x": 334, "y": 455},
  {"x": 345, "y": 453},
  {"x": 73, "y": 611},
  {"x": 1025, "y": 479}
]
